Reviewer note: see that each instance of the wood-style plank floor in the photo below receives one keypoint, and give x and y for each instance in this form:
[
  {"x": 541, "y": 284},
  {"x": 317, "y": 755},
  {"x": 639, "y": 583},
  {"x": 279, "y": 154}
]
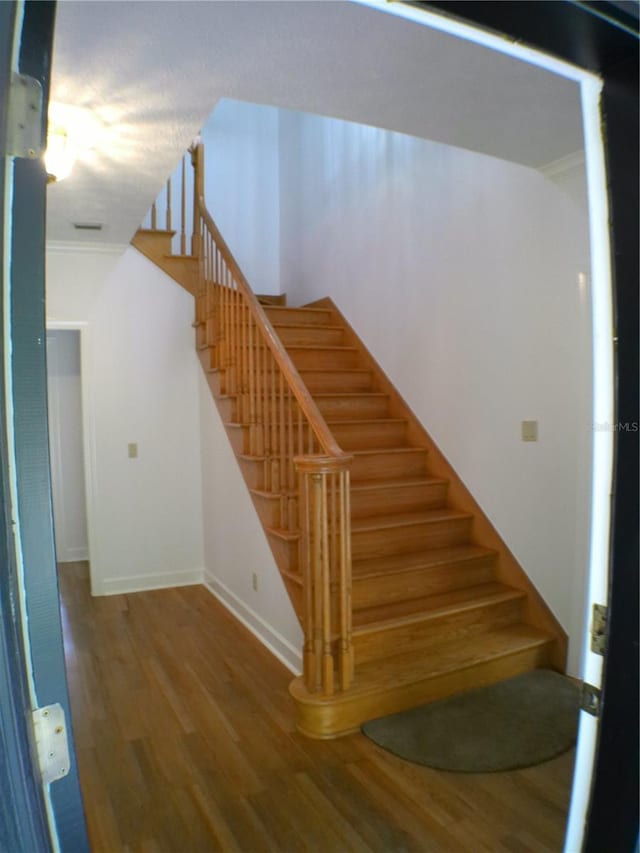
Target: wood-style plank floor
[{"x": 186, "y": 742}]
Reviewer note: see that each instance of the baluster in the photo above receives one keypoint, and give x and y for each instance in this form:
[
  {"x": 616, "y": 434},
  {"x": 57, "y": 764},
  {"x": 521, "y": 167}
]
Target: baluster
[
  {"x": 197, "y": 161},
  {"x": 333, "y": 520},
  {"x": 345, "y": 662},
  {"x": 168, "y": 211},
  {"x": 309, "y": 663},
  {"x": 291, "y": 472},
  {"x": 282, "y": 462},
  {"x": 275, "y": 471},
  {"x": 316, "y": 574},
  {"x": 235, "y": 347},
  {"x": 251, "y": 329},
  {"x": 183, "y": 211},
  {"x": 154, "y": 217},
  {"x": 260, "y": 358},
  {"x": 327, "y": 656}
]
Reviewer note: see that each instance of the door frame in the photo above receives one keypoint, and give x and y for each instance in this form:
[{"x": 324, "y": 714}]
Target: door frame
[
  {"x": 88, "y": 432},
  {"x": 601, "y": 38},
  {"x": 33, "y": 815}
]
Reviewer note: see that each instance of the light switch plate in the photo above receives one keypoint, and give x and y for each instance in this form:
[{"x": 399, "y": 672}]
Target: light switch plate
[
  {"x": 529, "y": 430},
  {"x": 132, "y": 450}
]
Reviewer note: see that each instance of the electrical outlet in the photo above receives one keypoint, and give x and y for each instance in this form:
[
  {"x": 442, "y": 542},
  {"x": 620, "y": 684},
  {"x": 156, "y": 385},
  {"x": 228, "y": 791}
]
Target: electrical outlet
[
  {"x": 132, "y": 449},
  {"x": 529, "y": 430},
  {"x": 254, "y": 582}
]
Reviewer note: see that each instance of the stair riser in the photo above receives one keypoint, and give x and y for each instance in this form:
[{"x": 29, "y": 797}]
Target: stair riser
[
  {"x": 238, "y": 438},
  {"x": 361, "y": 436},
  {"x": 417, "y": 583},
  {"x": 345, "y": 380},
  {"x": 253, "y": 472},
  {"x": 407, "y": 538},
  {"x": 285, "y": 552},
  {"x": 298, "y": 316},
  {"x": 378, "y": 466},
  {"x": 310, "y": 336},
  {"x": 379, "y": 501},
  {"x": 268, "y": 509},
  {"x": 226, "y": 408},
  {"x": 424, "y": 635},
  {"x": 340, "y": 718},
  {"x": 352, "y": 408},
  {"x": 323, "y": 359},
  {"x": 274, "y": 511}
]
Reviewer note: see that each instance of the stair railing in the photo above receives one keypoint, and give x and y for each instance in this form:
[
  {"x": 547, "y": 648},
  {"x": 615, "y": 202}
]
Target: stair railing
[{"x": 302, "y": 465}]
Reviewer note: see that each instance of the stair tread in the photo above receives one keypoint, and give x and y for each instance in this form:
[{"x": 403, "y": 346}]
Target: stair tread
[
  {"x": 342, "y": 422},
  {"x": 425, "y": 559},
  {"x": 163, "y": 231},
  {"x": 323, "y": 347},
  {"x": 332, "y": 370},
  {"x": 393, "y": 672},
  {"x": 396, "y": 483},
  {"x": 407, "y": 449},
  {"x": 282, "y": 325},
  {"x": 299, "y": 308},
  {"x": 288, "y": 535},
  {"x": 344, "y": 394},
  {"x": 430, "y": 606},
  {"x": 400, "y": 519}
]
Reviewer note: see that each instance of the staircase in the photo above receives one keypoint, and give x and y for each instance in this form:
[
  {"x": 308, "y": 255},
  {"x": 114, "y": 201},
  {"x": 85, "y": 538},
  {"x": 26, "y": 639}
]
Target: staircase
[{"x": 405, "y": 591}]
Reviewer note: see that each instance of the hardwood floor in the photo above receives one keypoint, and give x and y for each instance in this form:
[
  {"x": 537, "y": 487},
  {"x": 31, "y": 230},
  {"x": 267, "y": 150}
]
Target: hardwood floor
[{"x": 186, "y": 742}]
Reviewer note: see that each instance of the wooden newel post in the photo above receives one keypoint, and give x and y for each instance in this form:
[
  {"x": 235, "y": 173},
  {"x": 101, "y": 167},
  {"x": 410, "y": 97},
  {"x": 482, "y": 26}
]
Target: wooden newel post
[
  {"x": 325, "y": 555},
  {"x": 197, "y": 161}
]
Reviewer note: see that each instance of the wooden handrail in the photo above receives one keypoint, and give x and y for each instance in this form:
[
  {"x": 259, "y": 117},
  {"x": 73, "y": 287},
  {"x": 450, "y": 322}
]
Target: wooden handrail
[{"x": 302, "y": 395}]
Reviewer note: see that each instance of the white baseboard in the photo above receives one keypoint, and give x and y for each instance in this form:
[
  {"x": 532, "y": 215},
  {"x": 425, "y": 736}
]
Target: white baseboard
[
  {"x": 268, "y": 636},
  {"x": 140, "y": 583},
  {"x": 73, "y": 555}
]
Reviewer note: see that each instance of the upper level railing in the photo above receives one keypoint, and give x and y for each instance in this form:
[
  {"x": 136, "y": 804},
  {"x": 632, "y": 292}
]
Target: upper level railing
[{"x": 302, "y": 465}]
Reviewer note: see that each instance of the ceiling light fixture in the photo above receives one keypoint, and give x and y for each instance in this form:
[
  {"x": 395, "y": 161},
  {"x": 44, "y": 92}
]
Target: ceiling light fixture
[
  {"x": 72, "y": 133},
  {"x": 60, "y": 154}
]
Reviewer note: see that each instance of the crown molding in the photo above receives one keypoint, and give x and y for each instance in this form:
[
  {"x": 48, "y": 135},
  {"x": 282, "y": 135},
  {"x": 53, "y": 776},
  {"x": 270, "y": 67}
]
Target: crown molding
[
  {"x": 69, "y": 247},
  {"x": 563, "y": 164}
]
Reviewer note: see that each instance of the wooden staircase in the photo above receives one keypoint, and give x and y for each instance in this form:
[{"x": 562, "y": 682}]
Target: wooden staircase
[{"x": 436, "y": 602}]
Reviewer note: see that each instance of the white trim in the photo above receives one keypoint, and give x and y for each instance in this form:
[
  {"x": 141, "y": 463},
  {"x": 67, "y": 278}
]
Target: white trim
[
  {"x": 500, "y": 43},
  {"x": 6, "y": 239},
  {"x": 575, "y": 160},
  {"x": 88, "y": 441},
  {"x": 602, "y": 443},
  {"x": 67, "y": 247},
  {"x": 267, "y": 634},
  {"x": 74, "y": 555},
  {"x": 142, "y": 583}
]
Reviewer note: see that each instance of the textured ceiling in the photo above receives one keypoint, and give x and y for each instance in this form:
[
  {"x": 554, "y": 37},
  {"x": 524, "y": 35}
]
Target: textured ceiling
[{"x": 151, "y": 74}]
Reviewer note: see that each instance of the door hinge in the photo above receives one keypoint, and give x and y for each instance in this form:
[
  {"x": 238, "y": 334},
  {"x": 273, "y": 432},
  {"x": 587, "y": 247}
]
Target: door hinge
[
  {"x": 590, "y": 699},
  {"x": 24, "y": 118},
  {"x": 599, "y": 615},
  {"x": 50, "y": 731}
]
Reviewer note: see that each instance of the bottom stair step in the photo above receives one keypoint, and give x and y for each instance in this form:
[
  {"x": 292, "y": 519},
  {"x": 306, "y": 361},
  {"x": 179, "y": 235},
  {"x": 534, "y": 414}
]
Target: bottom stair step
[
  {"x": 429, "y": 622},
  {"x": 404, "y": 681}
]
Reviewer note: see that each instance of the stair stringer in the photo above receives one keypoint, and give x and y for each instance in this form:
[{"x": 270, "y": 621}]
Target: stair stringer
[
  {"x": 156, "y": 246},
  {"x": 225, "y": 406},
  {"x": 508, "y": 570}
]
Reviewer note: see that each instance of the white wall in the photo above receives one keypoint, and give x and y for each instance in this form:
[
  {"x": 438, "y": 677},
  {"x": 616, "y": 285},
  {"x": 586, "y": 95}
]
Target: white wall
[
  {"x": 235, "y": 545},
  {"x": 66, "y": 443},
  {"x": 242, "y": 187},
  {"x": 139, "y": 385},
  {"x": 460, "y": 273}
]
